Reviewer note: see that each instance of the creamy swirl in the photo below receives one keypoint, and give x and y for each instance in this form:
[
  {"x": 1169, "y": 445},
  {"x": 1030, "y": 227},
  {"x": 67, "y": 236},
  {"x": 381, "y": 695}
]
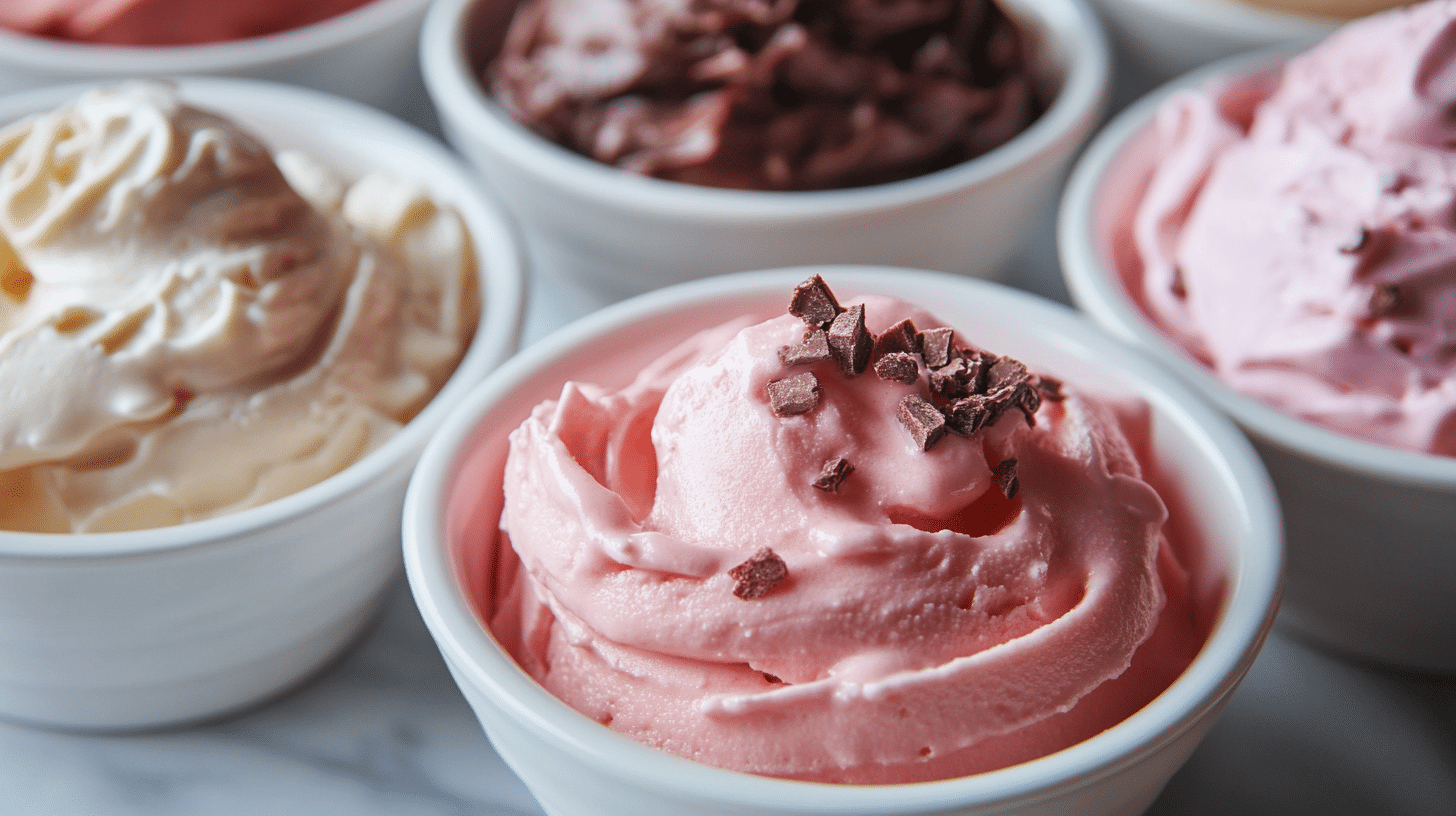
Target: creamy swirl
[
  {"x": 1298, "y": 231},
  {"x": 182, "y": 334},
  {"x": 929, "y": 626}
]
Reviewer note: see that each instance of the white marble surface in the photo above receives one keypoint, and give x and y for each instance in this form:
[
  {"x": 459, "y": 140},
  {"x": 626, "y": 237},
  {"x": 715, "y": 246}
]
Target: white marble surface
[{"x": 385, "y": 733}]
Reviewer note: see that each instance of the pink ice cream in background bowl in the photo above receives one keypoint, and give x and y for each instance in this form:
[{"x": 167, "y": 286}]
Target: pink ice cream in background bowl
[
  {"x": 361, "y": 49},
  {"x": 1283, "y": 238},
  {"x": 873, "y": 623},
  {"x": 307, "y": 285},
  {"x": 620, "y": 232}
]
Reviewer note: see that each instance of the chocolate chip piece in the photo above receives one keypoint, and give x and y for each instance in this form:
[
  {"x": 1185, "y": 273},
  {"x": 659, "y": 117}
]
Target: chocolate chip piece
[
  {"x": 1384, "y": 300},
  {"x": 952, "y": 380},
  {"x": 899, "y": 366},
  {"x": 769, "y": 678},
  {"x": 850, "y": 342},
  {"x": 1050, "y": 388},
  {"x": 1006, "y": 376},
  {"x": 833, "y": 473},
  {"x": 814, "y": 349},
  {"x": 935, "y": 346},
  {"x": 899, "y": 338},
  {"x": 1028, "y": 399},
  {"x": 969, "y": 414},
  {"x": 758, "y": 574},
  {"x": 1177, "y": 287},
  {"x": 1357, "y": 241},
  {"x": 925, "y": 424},
  {"x": 813, "y": 303},
  {"x": 794, "y": 395},
  {"x": 1006, "y": 478}
]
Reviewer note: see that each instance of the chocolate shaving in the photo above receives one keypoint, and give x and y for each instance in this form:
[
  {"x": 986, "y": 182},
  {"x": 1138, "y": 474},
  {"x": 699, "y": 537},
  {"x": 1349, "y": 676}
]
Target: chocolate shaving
[
  {"x": 935, "y": 346},
  {"x": 771, "y": 678},
  {"x": 925, "y": 423},
  {"x": 758, "y": 574},
  {"x": 815, "y": 348},
  {"x": 952, "y": 380},
  {"x": 899, "y": 366},
  {"x": 969, "y": 414},
  {"x": 1050, "y": 388},
  {"x": 850, "y": 342},
  {"x": 1005, "y": 377},
  {"x": 794, "y": 395},
  {"x": 899, "y": 338},
  {"x": 833, "y": 473},
  {"x": 1177, "y": 287},
  {"x": 1028, "y": 399},
  {"x": 813, "y": 303},
  {"x": 1356, "y": 242},
  {"x": 1006, "y": 478},
  {"x": 1385, "y": 299}
]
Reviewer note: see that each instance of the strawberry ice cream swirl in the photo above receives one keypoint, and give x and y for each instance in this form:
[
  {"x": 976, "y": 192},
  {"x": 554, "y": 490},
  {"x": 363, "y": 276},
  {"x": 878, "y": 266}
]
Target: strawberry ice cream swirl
[{"x": 821, "y": 594}]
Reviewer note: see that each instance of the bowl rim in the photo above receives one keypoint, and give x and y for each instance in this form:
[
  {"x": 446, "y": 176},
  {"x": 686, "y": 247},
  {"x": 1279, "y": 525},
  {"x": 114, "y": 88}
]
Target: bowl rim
[
  {"x": 1231, "y": 18},
  {"x": 1096, "y": 289},
  {"x": 1248, "y": 608},
  {"x": 500, "y": 272},
  {"x": 1068, "y": 28},
  {"x": 69, "y": 57}
]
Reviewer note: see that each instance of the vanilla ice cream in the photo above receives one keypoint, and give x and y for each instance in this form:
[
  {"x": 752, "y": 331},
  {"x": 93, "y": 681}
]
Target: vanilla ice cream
[
  {"x": 842, "y": 545},
  {"x": 164, "y": 22},
  {"x": 1298, "y": 231},
  {"x": 189, "y": 327}
]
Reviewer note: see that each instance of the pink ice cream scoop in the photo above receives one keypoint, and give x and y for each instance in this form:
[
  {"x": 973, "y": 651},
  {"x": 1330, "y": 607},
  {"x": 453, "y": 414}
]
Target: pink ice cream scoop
[
  {"x": 164, "y": 22},
  {"x": 1298, "y": 234},
  {"x": 841, "y": 545}
]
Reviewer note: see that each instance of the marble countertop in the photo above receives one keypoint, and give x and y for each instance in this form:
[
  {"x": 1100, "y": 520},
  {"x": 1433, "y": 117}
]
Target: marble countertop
[{"x": 384, "y": 732}]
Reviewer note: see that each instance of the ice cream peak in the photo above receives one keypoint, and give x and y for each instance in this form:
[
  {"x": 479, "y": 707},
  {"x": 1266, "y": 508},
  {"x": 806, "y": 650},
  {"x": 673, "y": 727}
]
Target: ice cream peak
[
  {"x": 184, "y": 333},
  {"x": 1298, "y": 231},
  {"x": 164, "y": 22},
  {"x": 840, "y": 545},
  {"x": 800, "y": 94}
]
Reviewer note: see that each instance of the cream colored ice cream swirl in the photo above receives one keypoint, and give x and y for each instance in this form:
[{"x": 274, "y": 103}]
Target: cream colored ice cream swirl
[{"x": 183, "y": 334}]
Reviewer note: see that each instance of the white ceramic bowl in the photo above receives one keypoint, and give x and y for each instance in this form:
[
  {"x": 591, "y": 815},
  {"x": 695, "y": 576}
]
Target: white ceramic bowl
[
  {"x": 369, "y": 54},
  {"x": 621, "y": 233},
  {"x": 162, "y": 626},
  {"x": 1370, "y": 530},
  {"x": 575, "y": 766},
  {"x": 1162, "y": 39}
]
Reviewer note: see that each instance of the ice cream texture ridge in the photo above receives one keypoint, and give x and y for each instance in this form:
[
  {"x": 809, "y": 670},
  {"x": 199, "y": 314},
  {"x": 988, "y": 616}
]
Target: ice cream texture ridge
[
  {"x": 842, "y": 545},
  {"x": 792, "y": 95},
  {"x": 1297, "y": 232},
  {"x": 191, "y": 325},
  {"x": 164, "y": 22}
]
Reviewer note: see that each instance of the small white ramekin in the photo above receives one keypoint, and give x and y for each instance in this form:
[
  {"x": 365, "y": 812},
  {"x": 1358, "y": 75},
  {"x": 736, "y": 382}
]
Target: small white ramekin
[
  {"x": 369, "y": 54},
  {"x": 575, "y": 766},
  {"x": 176, "y": 624},
  {"x": 1370, "y": 530},
  {"x": 1162, "y": 39},
  {"x": 619, "y": 233}
]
